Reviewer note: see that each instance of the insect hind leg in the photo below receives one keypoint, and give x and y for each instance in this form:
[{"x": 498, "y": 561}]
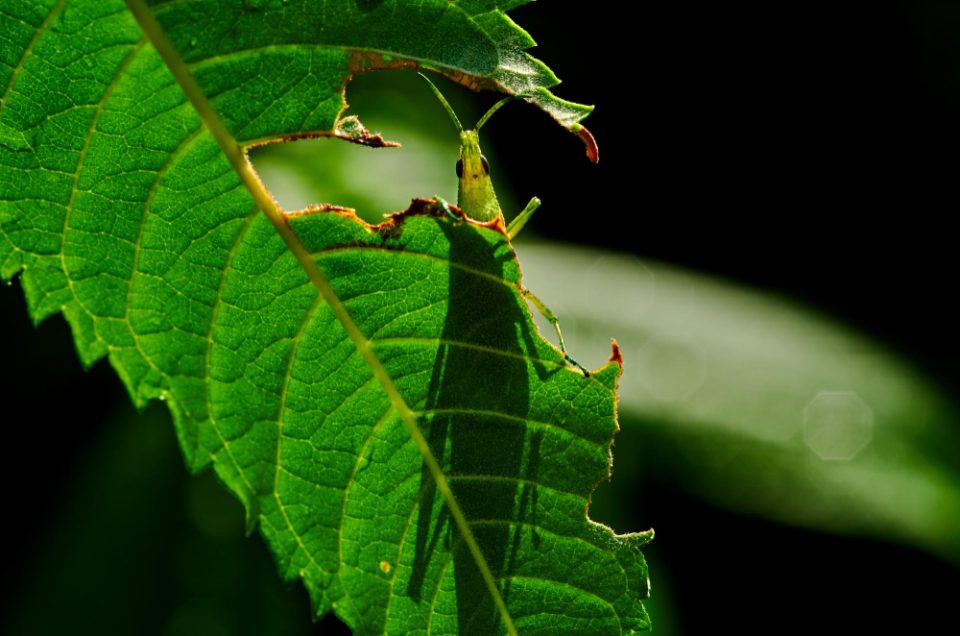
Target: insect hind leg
[
  {"x": 442, "y": 203},
  {"x": 552, "y": 318}
]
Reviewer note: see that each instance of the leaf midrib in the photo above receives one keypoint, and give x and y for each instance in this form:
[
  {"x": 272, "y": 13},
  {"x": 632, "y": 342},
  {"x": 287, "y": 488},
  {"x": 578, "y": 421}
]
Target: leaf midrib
[{"x": 269, "y": 207}]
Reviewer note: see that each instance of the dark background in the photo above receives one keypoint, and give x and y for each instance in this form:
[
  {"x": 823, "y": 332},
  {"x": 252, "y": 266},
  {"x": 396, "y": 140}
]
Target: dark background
[
  {"x": 810, "y": 148},
  {"x": 807, "y": 148}
]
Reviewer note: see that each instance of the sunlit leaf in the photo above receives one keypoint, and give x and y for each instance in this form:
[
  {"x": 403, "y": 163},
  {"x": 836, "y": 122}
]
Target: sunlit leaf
[{"x": 378, "y": 398}]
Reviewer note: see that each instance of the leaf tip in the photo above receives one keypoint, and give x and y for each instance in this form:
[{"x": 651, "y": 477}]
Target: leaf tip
[
  {"x": 638, "y": 539},
  {"x": 615, "y": 355},
  {"x": 593, "y": 152}
]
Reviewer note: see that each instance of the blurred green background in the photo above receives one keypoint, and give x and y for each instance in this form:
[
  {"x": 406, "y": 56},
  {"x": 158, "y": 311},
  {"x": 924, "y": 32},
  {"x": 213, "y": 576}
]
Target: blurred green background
[{"x": 788, "y": 405}]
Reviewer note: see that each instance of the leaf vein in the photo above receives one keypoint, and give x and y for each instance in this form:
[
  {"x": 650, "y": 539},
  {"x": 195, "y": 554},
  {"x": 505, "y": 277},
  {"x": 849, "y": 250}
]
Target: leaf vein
[
  {"x": 514, "y": 418},
  {"x": 148, "y": 201},
  {"x": 209, "y": 348},
  {"x": 371, "y": 434},
  {"x": 443, "y": 261},
  {"x": 27, "y": 52},
  {"x": 121, "y": 68}
]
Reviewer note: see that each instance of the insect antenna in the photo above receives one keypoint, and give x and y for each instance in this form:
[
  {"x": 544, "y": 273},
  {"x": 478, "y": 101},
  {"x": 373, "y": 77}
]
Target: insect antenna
[
  {"x": 443, "y": 100},
  {"x": 494, "y": 109}
]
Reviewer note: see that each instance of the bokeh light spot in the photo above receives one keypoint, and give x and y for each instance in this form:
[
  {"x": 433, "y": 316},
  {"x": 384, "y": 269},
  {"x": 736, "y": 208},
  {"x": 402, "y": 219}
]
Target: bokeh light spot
[{"x": 837, "y": 425}]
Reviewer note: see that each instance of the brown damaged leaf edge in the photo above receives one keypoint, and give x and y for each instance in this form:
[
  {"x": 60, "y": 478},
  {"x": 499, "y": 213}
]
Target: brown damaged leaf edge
[
  {"x": 615, "y": 355},
  {"x": 644, "y": 536},
  {"x": 593, "y": 152},
  {"x": 394, "y": 222},
  {"x": 314, "y": 208},
  {"x": 429, "y": 207},
  {"x": 348, "y": 129},
  {"x": 365, "y": 61}
]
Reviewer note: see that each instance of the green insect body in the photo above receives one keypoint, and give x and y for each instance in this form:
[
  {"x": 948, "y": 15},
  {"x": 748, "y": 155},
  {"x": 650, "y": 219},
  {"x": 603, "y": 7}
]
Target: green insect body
[{"x": 475, "y": 195}]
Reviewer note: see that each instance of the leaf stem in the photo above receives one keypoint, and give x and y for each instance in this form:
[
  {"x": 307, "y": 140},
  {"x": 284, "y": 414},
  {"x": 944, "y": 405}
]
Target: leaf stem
[{"x": 154, "y": 32}]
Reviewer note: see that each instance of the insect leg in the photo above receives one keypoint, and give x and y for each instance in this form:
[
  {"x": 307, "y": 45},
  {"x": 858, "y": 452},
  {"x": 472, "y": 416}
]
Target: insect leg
[
  {"x": 440, "y": 201},
  {"x": 552, "y": 318},
  {"x": 521, "y": 219}
]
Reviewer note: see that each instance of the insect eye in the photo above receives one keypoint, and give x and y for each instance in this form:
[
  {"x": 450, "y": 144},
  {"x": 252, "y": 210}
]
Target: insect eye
[
  {"x": 486, "y": 166},
  {"x": 459, "y": 168}
]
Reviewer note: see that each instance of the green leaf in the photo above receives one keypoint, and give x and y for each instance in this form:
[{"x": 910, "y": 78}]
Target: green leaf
[
  {"x": 377, "y": 397},
  {"x": 759, "y": 405}
]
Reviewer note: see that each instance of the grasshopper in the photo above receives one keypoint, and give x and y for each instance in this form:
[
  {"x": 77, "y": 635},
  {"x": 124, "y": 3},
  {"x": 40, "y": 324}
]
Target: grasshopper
[{"x": 475, "y": 196}]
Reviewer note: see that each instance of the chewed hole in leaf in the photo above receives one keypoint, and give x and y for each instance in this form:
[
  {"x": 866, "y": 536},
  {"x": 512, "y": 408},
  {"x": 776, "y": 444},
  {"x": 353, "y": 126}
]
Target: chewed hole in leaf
[{"x": 374, "y": 181}]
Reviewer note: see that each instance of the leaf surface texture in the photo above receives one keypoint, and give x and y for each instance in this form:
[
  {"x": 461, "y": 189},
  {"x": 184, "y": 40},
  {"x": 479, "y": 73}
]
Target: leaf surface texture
[{"x": 119, "y": 209}]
